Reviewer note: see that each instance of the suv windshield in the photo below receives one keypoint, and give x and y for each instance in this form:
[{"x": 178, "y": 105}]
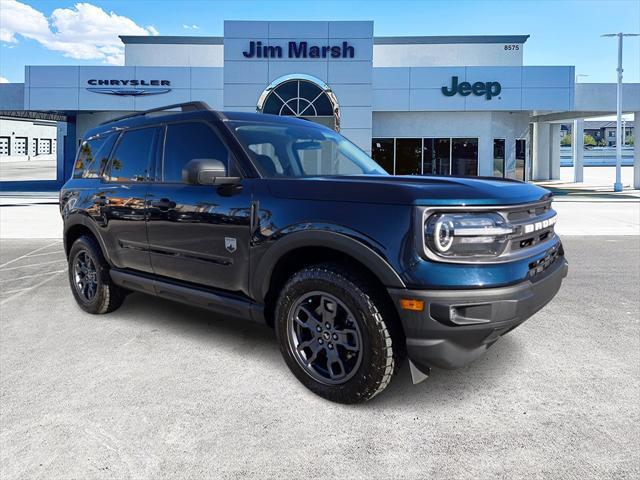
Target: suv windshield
[{"x": 301, "y": 151}]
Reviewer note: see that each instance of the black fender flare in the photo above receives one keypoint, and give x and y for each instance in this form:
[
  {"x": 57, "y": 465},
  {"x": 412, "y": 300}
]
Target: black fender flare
[
  {"x": 325, "y": 239},
  {"x": 75, "y": 219}
]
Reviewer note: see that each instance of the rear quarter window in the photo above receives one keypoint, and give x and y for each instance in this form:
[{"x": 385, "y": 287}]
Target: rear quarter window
[{"x": 93, "y": 156}]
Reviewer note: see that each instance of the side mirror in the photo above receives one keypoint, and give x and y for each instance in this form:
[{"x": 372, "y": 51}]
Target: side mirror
[{"x": 207, "y": 171}]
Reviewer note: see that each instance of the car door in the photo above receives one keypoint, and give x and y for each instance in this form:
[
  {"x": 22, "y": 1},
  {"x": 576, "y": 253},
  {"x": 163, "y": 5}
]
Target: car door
[
  {"x": 198, "y": 233},
  {"x": 119, "y": 204}
]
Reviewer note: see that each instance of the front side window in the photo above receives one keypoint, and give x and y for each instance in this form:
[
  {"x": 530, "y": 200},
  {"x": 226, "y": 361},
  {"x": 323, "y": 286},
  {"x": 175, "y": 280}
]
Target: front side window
[
  {"x": 133, "y": 155},
  {"x": 188, "y": 141},
  {"x": 301, "y": 151}
]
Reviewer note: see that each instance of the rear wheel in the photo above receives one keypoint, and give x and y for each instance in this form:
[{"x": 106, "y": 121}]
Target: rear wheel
[
  {"x": 89, "y": 277},
  {"x": 333, "y": 333}
]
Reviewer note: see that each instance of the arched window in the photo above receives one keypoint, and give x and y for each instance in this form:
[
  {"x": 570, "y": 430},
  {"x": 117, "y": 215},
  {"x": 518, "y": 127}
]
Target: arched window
[{"x": 301, "y": 96}]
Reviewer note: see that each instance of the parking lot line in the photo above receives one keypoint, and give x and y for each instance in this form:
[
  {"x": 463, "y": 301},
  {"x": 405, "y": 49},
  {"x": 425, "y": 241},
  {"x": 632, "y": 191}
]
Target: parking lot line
[
  {"x": 37, "y": 285},
  {"x": 32, "y": 265},
  {"x": 31, "y": 276},
  {"x": 30, "y": 253}
]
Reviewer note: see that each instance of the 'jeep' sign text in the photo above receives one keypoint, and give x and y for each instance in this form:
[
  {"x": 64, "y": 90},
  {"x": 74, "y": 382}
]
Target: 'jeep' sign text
[{"x": 488, "y": 89}]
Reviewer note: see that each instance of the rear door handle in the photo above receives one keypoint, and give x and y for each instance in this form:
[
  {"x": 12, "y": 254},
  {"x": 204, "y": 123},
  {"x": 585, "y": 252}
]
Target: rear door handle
[{"x": 163, "y": 204}]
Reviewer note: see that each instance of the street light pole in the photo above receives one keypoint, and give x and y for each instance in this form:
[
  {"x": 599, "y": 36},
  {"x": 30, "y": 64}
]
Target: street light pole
[{"x": 617, "y": 186}]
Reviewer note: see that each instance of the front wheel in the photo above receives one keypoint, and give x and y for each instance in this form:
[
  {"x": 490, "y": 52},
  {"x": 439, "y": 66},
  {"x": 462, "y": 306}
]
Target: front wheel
[{"x": 333, "y": 330}]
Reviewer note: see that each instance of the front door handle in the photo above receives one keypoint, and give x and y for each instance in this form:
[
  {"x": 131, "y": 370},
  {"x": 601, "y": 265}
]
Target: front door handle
[{"x": 163, "y": 204}]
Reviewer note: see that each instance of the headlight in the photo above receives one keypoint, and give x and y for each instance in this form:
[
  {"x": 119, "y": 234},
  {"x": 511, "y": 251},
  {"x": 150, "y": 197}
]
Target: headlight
[{"x": 467, "y": 235}]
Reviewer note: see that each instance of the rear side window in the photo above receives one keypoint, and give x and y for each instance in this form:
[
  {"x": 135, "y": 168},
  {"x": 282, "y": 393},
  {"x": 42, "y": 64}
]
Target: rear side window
[
  {"x": 186, "y": 141},
  {"x": 133, "y": 155},
  {"x": 93, "y": 156}
]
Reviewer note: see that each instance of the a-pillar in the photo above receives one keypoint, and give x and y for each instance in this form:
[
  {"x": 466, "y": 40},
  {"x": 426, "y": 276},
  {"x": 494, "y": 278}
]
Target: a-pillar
[
  {"x": 577, "y": 148},
  {"x": 541, "y": 151},
  {"x": 636, "y": 151}
]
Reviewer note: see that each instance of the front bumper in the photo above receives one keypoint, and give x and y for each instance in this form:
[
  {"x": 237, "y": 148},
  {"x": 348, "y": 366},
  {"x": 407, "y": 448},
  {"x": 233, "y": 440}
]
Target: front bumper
[{"x": 457, "y": 326}]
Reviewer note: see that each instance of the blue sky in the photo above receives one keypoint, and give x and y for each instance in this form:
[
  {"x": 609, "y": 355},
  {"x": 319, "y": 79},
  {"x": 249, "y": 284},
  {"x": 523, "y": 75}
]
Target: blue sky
[{"x": 562, "y": 32}]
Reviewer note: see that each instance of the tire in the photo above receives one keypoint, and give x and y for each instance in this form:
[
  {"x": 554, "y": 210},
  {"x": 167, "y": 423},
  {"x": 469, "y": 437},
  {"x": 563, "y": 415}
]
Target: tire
[
  {"x": 89, "y": 278},
  {"x": 329, "y": 304}
]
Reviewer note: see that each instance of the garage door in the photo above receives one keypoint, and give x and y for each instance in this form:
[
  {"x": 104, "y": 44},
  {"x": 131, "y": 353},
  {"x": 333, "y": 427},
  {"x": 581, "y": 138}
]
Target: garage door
[
  {"x": 4, "y": 145},
  {"x": 20, "y": 146},
  {"x": 44, "y": 146}
]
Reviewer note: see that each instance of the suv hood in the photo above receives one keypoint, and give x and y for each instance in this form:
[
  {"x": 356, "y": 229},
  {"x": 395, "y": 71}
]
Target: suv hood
[{"x": 408, "y": 190}]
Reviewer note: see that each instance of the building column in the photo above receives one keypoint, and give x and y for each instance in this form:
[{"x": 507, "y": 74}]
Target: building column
[
  {"x": 485, "y": 156},
  {"x": 541, "y": 151},
  {"x": 636, "y": 151},
  {"x": 554, "y": 151},
  {"x": 577, "y": 148}
]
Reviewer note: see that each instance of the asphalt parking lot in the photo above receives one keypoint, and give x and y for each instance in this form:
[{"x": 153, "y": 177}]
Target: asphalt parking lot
[{"x": 160, "y": 390}]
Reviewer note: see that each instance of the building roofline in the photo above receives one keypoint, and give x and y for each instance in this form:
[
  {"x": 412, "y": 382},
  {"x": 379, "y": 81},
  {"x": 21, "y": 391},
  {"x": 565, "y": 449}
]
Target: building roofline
[
  {"x": 450, "y": 39},
  {"x": 422, "y": 40},
  {"x": 169, "y": 39}
]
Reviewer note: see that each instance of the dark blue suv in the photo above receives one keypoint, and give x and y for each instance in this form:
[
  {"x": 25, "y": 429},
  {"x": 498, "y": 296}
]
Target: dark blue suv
[{"x": 284, "y": 221}]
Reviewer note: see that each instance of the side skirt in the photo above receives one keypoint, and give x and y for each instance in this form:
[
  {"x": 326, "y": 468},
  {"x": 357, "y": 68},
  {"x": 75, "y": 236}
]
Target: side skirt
[{"x": 224, "y": 303}]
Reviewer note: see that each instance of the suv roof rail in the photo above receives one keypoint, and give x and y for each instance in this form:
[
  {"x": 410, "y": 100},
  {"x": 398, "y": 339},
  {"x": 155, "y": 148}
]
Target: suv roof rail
[{"x": 184, "y": 107}]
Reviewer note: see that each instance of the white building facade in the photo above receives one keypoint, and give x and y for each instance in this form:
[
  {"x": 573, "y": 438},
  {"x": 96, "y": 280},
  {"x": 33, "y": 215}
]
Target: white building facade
[{"x": 462, "y": 105}]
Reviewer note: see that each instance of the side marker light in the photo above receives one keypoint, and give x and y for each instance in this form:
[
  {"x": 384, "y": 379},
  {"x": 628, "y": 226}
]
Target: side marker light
[{"x": 412, "y": 304}]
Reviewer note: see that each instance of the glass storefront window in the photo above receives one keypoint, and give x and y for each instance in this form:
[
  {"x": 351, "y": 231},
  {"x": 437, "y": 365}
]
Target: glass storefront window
[
  {"x": 428, "y": 156},
  {"x": 382, "y": 153},
  {"x": 464, "y": 156},
  {"x": 498, "y": 157},
  {"x": 521, "y": 159},
  {"x": 436, "y": 156},
  {"x": 408, "y": 156}
]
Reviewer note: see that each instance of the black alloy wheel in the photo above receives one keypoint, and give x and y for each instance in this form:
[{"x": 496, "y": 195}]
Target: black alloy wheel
[
  {"x": 85, "y": 276},
  {"x": 89, "y": 277},
  {"x": 325, "y": 338}
]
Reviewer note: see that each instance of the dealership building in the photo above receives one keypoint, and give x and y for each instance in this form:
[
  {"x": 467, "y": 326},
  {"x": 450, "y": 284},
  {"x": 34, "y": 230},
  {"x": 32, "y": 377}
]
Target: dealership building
[{"x": 453, "y": 105}]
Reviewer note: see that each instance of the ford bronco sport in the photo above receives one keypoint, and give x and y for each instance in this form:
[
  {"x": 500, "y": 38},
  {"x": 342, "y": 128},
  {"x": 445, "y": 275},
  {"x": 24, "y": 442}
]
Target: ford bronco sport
[{"x": 284, "y": 221}]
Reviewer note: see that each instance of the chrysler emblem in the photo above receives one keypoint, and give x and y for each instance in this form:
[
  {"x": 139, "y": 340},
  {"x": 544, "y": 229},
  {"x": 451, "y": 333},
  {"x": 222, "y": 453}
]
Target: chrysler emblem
[{"x": 133, "y": 92}]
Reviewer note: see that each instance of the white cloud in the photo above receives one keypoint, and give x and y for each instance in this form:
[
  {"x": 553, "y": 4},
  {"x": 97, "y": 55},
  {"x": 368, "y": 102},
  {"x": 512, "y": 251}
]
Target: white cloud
[
  {"x": 190, "y": 27},
  {"x": 85, "y": 32},
  {"x": 4, "y": 80}
]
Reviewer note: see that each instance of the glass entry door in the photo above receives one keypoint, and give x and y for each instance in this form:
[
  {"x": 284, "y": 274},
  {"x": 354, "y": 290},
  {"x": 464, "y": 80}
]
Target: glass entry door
[
  {"x": 464, "y": 157},
  {"x": 521, "y": 159},
  {"x": 498, "y": 157},
  {"x": 437, "y": 156}
]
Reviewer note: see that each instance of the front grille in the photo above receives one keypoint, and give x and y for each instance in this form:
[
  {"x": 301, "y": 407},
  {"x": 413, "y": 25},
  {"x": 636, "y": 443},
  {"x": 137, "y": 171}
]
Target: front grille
[
  {"x": 530, "y": 212},
  {"x": 534, "y": 224}
]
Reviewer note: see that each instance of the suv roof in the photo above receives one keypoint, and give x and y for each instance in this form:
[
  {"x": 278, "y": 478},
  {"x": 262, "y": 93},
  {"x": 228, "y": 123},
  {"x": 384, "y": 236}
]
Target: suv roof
[{"x": 190, "y": 110}]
